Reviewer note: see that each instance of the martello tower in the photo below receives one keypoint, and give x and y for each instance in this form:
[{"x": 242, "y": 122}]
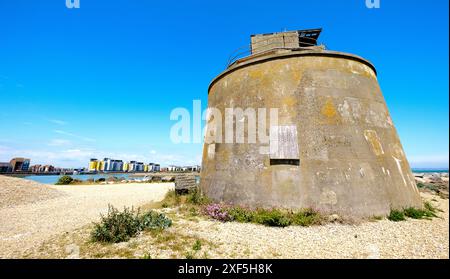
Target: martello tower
[{"x": 338, "y": 150}]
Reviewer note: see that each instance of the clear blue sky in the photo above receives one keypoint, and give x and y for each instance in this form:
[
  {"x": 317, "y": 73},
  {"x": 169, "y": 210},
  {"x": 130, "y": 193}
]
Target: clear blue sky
[{"x": 102, "y": 80}]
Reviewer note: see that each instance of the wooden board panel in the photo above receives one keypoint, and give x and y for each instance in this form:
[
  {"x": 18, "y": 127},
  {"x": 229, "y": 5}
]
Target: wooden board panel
[{"x": 283, "y": 142}]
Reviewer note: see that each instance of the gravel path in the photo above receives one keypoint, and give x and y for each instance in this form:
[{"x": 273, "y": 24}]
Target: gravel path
[{"x": 25, "y": 225}]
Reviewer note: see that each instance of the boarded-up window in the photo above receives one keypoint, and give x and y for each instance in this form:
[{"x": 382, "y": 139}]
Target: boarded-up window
[{"x": 284, "y": 145}]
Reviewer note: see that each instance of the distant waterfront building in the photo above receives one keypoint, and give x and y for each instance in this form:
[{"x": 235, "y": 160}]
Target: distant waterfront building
[
  {"x": 132, "y": 166},
  {"x": 5, "y": 167},
  {"x": 193, "y": 168},
  {"x": 93, "y": 165},
  {"x": 100, "y": 166},
  {"x": 151, "y": 167},
  {"x": 118, "y": 165},
  {"x": 47, "y": 168},
  {"x": 20, "y": 164},
  {"x": 112, "y": 165},
  {"x": 156, "y": 168},
  {"x": 173, "y": 168},
  {"x": 125, "y": 167},
  {"x": 35, "y": 168},
  {"x": 106, "y": 164},
  {"x": 139, "y": 166}
]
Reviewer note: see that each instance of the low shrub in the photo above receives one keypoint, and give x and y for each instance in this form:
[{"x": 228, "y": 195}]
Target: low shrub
[
  {"x": 116, "y": 226},
  {"x": 267, "y": 217},
  {"x": 272, "y": 218},
  {"x": 64, "y": 180},
  {"x": 119, "y": 226},
  {"x": 307, "y": 217},
  {"x": 240, "y": 214},
  {"x": 396, "y": 215},
  {"x": 152, "y": 220},
  {"x": 414, "y": 213},
  {"x": 428, "y": 211}
]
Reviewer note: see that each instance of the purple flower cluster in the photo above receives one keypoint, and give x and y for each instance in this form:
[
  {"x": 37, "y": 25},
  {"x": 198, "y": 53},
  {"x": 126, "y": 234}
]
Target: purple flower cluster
[{"x": 218, "y": 212}]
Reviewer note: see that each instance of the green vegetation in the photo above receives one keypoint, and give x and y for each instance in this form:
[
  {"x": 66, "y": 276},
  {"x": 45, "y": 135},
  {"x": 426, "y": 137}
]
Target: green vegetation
[
  {"x": 428, "y": 206},
  {"x": 194, "y": 203},
  {"x": 396, "y": 215},
  {"x": 64, "y": 180},
  {"x": 307, "y": 217},
  {"x": 119, "y": 226},
  {"x": 152, "y": 220},
  {"x": 197, "y": 245},
  {"x": 271, "y": 218},
  {"x": 195, "y": 197},
  {"x": 428, "y": 212},
  {"x": 241, "y": 215},
  {"x": 428, "y": 186},
  {"x": 414, "y": 213},
  {"x": 195, "y": 249},
  {"x": 267, "y": 217}
]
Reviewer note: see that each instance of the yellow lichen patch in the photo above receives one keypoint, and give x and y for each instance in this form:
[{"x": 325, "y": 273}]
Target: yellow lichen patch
[
  {"x": 328, "y": 109},
  {"x": 255, "y": 73},
  {"x": 372, "y": 137},
  {"x": 290, "y": 101}
]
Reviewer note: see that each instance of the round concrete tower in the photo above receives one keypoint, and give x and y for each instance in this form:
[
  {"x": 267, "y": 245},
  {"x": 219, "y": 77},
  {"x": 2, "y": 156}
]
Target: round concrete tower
[{"x": 336, "y": 148}]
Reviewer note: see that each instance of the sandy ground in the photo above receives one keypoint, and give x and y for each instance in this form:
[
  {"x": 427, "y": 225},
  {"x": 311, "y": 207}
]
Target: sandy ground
[
  {"x": 16, "y": 191},
  {"x": 27, "y": 225}
]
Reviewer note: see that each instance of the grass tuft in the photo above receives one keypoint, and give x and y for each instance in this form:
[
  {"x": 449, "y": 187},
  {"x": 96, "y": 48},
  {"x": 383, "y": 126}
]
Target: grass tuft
[
  {"x": 396, "y": 215},
  {"x": 428, "y": 212},
  {"x": 197, "y": 245}
]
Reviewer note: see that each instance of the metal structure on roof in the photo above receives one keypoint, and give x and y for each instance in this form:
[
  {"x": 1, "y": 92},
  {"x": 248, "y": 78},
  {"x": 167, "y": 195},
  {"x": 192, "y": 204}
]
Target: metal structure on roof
[
  {"x": 261, "y": 43},
  {"x": 306, "y": 37}
]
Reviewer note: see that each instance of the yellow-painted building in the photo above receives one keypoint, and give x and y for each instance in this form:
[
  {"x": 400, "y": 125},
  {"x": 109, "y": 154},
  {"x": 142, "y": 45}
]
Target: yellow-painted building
[
  {"x": 93, "y": 165},
  {"x": 125, "y": 166},
  {"x": 100, "y": 166},
  {"x": 146, "y": 168}
]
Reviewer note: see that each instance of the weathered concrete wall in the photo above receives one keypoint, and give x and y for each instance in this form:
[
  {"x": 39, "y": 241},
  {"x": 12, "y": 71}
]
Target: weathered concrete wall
[{"x": 351, "y": 158}]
